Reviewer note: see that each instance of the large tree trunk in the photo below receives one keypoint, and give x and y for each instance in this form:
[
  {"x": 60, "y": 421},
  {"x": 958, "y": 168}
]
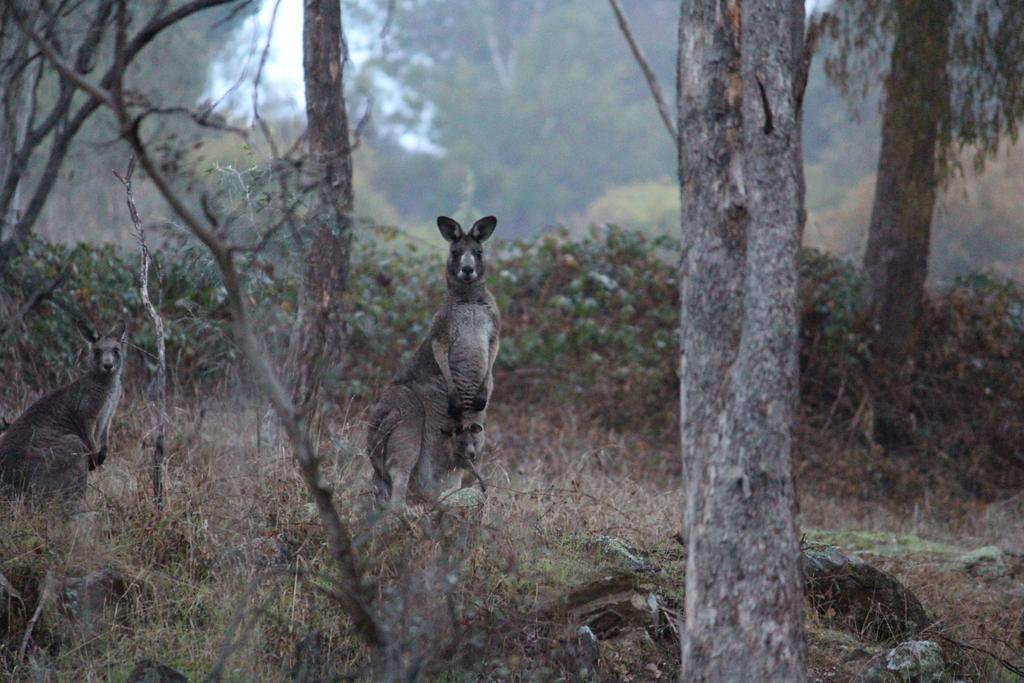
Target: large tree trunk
[
  {"x": 327, "y": 255},
  {"x": 916, "y": 104},
  {"x": 740, "y": 187}
]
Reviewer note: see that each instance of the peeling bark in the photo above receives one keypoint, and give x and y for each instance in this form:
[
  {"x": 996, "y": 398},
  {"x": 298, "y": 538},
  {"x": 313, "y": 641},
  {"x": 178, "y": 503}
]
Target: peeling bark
[
  {"x": 329, "y": 248},
  {"x": 741, "y": 189}
]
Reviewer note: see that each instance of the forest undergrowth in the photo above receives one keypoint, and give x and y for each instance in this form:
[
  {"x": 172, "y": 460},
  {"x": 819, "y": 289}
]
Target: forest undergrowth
[
  {"x": 582, "y": 444},
  {"x": 231, "y": 564}
]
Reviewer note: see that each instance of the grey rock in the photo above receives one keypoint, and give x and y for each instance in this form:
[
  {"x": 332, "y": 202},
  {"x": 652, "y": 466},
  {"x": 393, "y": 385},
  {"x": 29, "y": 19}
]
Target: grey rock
[
  {"x": 914, "y": 661},
  {"x": 80, "y": 608},
  {"x": 468, "y": 501},
  {"x": 607, "y": 605},
  {"x": 988, "y": 561},
  {"x": 148, "y": 671},
  {"x": 620, "y": 551},
  {"x": 846, "y": 589}
]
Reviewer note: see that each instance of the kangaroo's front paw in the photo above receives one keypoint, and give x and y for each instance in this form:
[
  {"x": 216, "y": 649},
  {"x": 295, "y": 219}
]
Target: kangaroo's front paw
[
  {"x": 480, "y": 400},
  {"x": 454, "y": 407},
  {"x": 96, "y": 459}
]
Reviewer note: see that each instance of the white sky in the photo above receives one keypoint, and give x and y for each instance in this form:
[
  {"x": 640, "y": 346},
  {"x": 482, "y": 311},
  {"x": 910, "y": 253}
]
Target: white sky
[
  {"x": 282, "y": 74},
  {"x": 284, "y": 63}
]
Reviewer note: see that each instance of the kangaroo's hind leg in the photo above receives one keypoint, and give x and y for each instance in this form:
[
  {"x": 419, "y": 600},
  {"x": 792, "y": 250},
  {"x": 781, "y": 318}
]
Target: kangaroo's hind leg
[
  {"x": 434, "y": 471},
  {"x": 393, "y": 443},
  {"x": 56, "y": 469}
]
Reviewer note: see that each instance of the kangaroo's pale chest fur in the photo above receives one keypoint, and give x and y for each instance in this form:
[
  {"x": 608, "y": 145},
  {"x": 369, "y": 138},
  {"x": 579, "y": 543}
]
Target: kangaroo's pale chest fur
[
  {"x": 470, "y": 333},
  {"x": 107, "y": 408}
]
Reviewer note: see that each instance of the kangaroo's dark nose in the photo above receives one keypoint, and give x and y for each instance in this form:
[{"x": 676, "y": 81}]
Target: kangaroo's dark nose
[{"x": 468, "y": 270}]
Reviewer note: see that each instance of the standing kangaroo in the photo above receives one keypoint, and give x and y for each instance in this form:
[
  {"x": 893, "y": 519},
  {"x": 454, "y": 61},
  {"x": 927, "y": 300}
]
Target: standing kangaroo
[
  {"x": 49, "y": 449},
  {"x": 447, "y": 383}
]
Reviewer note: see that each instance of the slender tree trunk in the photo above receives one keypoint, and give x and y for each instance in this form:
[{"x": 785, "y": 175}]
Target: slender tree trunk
[
  {"x": 916, "y": 104},
  {"x": 740, "y": 187},
  {"x": 327, "y": 255},
  {"x": 15, "y": 82}
]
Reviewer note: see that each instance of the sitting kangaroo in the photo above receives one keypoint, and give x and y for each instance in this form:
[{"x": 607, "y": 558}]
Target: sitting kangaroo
[
  {"x": 449, "y": 378},
  {"x": 49, "y": 449}
]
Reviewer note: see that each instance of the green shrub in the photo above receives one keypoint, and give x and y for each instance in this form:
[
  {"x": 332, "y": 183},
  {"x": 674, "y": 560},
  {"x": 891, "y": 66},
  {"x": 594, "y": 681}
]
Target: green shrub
[{"x": 590, "y": 323}]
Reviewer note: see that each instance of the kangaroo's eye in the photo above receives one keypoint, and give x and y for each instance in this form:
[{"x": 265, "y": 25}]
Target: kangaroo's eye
[
  {"x": 456, "y": 252},
  {"x": 478, "y": 252},
  {"x": 476, "y": 429}
]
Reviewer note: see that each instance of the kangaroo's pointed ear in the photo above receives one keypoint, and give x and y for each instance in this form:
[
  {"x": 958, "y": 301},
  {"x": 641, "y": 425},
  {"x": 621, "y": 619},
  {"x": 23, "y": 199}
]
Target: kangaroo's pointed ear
[
  {"x": 449, "y": 227},
  {"x": 483, "y": 228},
  {"x": 120, "y": 331},
  {"x": 87, "y": 332}
]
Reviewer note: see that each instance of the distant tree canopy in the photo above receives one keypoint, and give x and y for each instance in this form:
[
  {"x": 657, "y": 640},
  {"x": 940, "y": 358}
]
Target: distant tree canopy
[
  {"x": 175, "y": 67},
  {"x": 984, "y": 57},
  {"x": 953, "y": 79},
  {"x": 536, "y": 108}
]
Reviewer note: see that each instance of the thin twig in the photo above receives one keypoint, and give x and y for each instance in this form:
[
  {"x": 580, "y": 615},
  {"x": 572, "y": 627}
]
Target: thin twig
[
  {"x": 364, "y": 121},
  {"x": 263, "y": 62},
  {"x": 353, "y": 590},
  {"x": 36, "y": 298},
  {"x": 160, "y": 381},
  {"x": 44, "y": 597},
  {"x": 815, "y": 28},
  {"x": 1009, "y": 666},
  {"x": 228, "y": 645},
  {"x": 645, "y": 67}
]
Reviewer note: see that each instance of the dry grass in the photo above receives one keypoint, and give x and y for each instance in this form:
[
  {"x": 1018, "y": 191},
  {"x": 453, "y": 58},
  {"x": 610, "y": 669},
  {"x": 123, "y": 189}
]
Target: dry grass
[
  {"x": 233, "y": 491},
  {"x": 235, "y": 506}
]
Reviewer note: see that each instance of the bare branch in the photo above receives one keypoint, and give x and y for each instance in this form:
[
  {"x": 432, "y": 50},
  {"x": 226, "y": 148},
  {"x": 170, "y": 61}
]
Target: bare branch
[
  {"x": 645, "y": 67},
  {"x": 389, "y": 17},
  {"x": 815, "y": 28},
  {"x": 45, "y": 595},
  {"x": 1009, "y": 666},
  {"x": 66, "y": 69},
  {"x": 36, "y": 298},
  {"x": 69, "y": 124},
  {"x": 262, "y": 64},
  {"x": 364, "y": 121},
  {"x": 352, "y": 587},
  {"x": 339, "y": 539},
  {"x": 160, "y": 380}
]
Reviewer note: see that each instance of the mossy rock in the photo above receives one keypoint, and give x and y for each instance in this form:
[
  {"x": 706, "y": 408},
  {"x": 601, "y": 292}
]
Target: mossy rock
[
  {"x": 848, "y": 592},
  {"x": 988, "y": 561},
  {"x": 915, "y": 661},
  {"x": 881, "y": 543}
]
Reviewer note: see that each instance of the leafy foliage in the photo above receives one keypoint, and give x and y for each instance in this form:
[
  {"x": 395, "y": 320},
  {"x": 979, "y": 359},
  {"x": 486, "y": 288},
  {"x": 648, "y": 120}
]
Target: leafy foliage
[
  {"x": 962, "y": 398},
  {"x": 101, "y": 288},
  {"x": 592, "y": 320},
  {"x": 537, "y": 143},
  {"x": 588, "y": 322},
  {"x": 984, "y": 102}
]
